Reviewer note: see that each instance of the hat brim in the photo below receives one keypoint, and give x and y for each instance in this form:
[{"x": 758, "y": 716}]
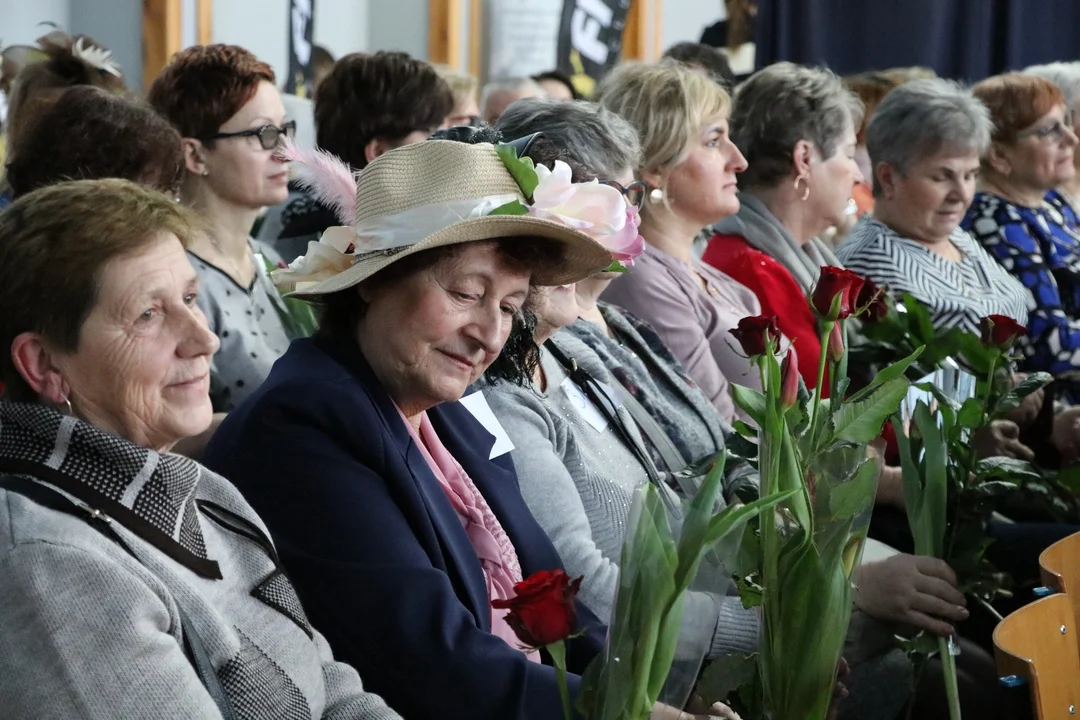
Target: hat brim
[{"x": 582, "y": 256}]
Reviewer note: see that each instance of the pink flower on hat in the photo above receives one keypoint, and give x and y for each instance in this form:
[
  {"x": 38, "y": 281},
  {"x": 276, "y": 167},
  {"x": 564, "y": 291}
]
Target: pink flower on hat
[{"x": 597, "y": 210}]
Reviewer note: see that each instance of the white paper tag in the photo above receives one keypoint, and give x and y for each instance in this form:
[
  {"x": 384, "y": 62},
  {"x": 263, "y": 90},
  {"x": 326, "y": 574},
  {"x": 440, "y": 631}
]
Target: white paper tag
[
  {"x": 580, "y": 401},
  {"x": 477, "y": 404}
]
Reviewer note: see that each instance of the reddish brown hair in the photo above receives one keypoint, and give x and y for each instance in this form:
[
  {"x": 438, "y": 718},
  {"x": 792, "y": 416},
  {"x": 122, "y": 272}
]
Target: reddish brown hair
[
  {"x": 1016, "y": 102},
  {"x": 205, "y": 85},
  {"x": 871, "y": 88},
  {"x": 88, "y": 133}
]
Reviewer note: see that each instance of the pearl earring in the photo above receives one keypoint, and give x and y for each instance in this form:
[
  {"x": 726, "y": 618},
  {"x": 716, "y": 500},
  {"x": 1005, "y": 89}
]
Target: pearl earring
[
  {"x": 205, "y": 172},
  {"x": 656, "y": 195}
]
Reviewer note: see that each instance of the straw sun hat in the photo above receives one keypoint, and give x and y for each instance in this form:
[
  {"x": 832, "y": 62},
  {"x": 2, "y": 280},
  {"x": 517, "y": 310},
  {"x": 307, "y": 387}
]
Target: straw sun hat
[{"x": 423, "y": 196}]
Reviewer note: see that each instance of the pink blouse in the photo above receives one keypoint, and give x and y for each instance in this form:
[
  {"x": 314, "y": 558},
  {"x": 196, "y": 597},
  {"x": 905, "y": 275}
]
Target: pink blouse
[{"x": 491, "y": 543}]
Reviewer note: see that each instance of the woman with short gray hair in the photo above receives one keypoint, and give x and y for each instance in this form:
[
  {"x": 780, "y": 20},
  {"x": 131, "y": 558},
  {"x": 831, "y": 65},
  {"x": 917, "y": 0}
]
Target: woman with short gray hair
[
  {"x": 925, "y": 140},
  {"x": 796, "y": 127}
]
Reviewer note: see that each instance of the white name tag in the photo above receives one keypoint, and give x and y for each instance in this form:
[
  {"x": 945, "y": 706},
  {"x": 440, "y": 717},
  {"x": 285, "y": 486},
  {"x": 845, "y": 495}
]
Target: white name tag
[
  {"x": 584, "y": 407},
  {"x": 477, "y": 404}
]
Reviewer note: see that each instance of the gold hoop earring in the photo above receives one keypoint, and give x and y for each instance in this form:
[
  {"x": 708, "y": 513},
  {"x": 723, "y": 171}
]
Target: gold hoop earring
[
  {"x": 806, "y": 192},
  {"x": 70, "y": 410}
]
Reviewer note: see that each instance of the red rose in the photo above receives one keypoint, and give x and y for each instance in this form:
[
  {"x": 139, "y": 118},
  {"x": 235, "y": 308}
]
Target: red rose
[
  {"x": 789, "y": 380},
  {"x": 543, "y": 610},
  {"x": 755, "y": 333},
  {"x": 871, "y": 303},
  {"x": 1000, "y": 331},
  {"x": 836, "y": 281}
]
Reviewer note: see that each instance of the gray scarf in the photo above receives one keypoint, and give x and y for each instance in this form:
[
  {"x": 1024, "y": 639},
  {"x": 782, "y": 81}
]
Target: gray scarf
[{"x": 764, "y": 232}]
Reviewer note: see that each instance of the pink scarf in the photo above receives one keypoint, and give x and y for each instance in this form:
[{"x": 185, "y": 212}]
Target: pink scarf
[{"x": 490, "y": 542}]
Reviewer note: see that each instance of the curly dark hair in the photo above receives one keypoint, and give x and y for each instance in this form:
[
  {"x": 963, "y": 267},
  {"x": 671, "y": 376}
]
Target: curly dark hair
[
  {"x": 386, "y": 96},
  {"x": 88, "y": 133}
]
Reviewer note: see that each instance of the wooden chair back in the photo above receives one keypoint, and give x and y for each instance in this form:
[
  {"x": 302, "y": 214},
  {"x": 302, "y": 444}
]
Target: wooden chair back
[
  {"x": 1038, "y": 643},
  {"x": 1059, "y": 566}
]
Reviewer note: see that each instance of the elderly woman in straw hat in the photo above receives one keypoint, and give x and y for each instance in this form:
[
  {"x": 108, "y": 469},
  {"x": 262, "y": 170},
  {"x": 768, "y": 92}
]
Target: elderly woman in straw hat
[{"x": 395, "y": 506}]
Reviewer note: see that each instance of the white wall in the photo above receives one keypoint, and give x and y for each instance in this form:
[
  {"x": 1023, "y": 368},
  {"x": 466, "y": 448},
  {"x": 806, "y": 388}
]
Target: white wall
[
  {"x": 683, "y": 20},
  {"x": 18, "y": 19},
  {"x": 116, "y": 24}
]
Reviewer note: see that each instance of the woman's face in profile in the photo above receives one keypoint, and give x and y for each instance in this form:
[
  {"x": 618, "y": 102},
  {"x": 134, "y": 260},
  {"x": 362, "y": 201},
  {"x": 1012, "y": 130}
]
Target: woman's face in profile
[
  {"x": 703, "y": 187},
  {"x": 431, "y": 334},
  {"x": 239, "y": 169},
  {"x": 142, "y": 367}
]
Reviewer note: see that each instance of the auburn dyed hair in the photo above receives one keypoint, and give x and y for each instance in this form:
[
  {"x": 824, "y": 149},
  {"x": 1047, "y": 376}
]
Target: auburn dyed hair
[
  {"x": 205, "y": 85},
  {"x": 870, "y": 87},
  {"x": 1016, "y": 102}
]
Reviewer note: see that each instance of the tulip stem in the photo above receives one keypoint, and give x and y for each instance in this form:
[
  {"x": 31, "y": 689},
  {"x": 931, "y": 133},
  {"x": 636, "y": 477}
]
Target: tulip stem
[
  {"x": 948, "y": 667},
  {"x": 828, "y": 326},
  {"x": 557, "y": 650}
]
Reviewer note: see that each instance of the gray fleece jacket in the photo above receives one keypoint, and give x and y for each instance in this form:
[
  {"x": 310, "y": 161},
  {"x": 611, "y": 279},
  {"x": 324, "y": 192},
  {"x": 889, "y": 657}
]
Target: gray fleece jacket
[
  {"x": 579, "y": 483},
  {"x": 87, "y": 631}
]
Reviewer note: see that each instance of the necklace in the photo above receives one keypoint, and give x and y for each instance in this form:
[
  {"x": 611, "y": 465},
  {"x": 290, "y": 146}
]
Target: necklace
[{"x": 238, "y": 274}]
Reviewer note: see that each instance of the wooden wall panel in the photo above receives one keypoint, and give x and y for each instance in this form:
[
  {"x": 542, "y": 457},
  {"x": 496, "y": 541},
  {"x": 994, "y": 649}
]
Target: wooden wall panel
[{"x": 161, "y": 35}]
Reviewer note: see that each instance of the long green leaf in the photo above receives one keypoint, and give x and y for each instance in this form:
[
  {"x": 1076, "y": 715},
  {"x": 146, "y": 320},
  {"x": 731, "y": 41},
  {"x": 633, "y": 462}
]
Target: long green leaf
[
  {"x": 521, "y": 169},
  {"x": 892, "y": 372},
  {"x": 861, "y": 422},
  {"x": 935, "y": 497},
  {"x": 971, "y": 414},
  {"x": 751, "y": 401},
  {"x": 848, "y": 499}
]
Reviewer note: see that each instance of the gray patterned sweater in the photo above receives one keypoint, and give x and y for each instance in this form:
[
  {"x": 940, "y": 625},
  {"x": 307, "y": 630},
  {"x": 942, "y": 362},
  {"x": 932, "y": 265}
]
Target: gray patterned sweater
[
  {"x": 89, "y": 632},
  {"x": 579, "y": 484}
]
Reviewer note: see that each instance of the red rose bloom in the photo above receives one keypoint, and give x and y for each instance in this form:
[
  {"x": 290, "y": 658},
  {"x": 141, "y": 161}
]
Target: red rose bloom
[
  {"x": 543, "y": 610},
  {"x": 1000, "y": 331},
  {"x": 755, "y": 333},
  {"x": 836, "y": 281},
  {"x": 871, "y": 302}
]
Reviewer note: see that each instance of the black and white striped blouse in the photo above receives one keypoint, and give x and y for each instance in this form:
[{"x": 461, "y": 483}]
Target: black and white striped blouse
[{"x": 958, "y": 294}]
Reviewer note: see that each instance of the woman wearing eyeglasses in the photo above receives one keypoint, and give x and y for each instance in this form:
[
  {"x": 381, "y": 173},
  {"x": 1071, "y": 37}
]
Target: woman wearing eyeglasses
[
  {"x": 1020, "y": 217},
  {"x": 223, "y": 101}
]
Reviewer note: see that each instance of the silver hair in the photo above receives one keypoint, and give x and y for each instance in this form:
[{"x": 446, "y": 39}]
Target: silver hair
[
  {"x": 1066, "y": 75},
  {"x": 601, "y": 142},
  {"x": 923, "y": 117},
  {"x": 783, "y": 104},
  {"x": 508, "y": 85}
]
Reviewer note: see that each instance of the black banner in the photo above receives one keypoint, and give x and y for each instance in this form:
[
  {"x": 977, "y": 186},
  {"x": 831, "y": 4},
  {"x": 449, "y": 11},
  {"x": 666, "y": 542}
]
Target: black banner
[
  {"x": 301, "y": 39},
  {"x": 590, "y": 39}
]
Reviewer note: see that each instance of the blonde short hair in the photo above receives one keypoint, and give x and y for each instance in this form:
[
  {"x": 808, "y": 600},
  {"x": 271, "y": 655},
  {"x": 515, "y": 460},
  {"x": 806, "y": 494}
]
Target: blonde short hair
[
  {"x": 667, "y": 103},
  {"x": 462, "y": 84}
]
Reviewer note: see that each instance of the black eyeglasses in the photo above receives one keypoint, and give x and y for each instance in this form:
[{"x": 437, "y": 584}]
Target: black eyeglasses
[
  {"x": 634, "y": 193},
  {"x": 1051, "y": 133},
  {"x": 270, "y": 136}
]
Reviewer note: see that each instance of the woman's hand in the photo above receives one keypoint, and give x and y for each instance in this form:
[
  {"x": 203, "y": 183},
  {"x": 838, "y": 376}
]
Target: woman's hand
[
  {"x": 694, "y": 712},
  {"x": 1001, "y": 438},
  {"x": 911, "y": 590},
  {"x": 840, "y": 690},
  {"x": 1029, "y": 408},
  {"x": 1066, "y": 434}
]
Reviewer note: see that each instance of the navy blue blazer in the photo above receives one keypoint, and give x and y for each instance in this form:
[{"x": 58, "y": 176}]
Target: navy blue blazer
[{"x": 376, "y": 551}]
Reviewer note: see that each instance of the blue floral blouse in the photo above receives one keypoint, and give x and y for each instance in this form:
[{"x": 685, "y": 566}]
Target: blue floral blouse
[{"x": 1041, "y": 248}]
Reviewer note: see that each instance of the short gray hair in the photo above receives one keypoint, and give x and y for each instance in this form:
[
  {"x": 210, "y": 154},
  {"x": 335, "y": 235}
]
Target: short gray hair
[
  {"x": 1066, "y": 75},
  {"x": 923, "y": 117},
  {"x": 603, "y": 143},
  {"x": 509, "y": 85},
  {"x": 783, "y": 104}
]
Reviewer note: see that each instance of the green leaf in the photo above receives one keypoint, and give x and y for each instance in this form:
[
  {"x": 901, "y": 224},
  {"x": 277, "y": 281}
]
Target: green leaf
[
  {"x": 971, "y": 414},
  {"x": 1070, "y": 478},
  {"x": 511, "y": 208},
  {"x": 521, "y": 169},
  {"x": 724, "y": 676},
  {"x": 929, "y": 530},
  {"x": 1005, "y": 467},
  {"x": 993, "y": 489},
  {"x": 616, "y": 267},
  {"x": 749, "y": 593},
  {"x": 894, "y": 371},
  {"x": 751, "y": 401},
  {"x": 848, "y": 499},
  {"x": 861, "y": 422},
  {"x": 744, "y": 429}
]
